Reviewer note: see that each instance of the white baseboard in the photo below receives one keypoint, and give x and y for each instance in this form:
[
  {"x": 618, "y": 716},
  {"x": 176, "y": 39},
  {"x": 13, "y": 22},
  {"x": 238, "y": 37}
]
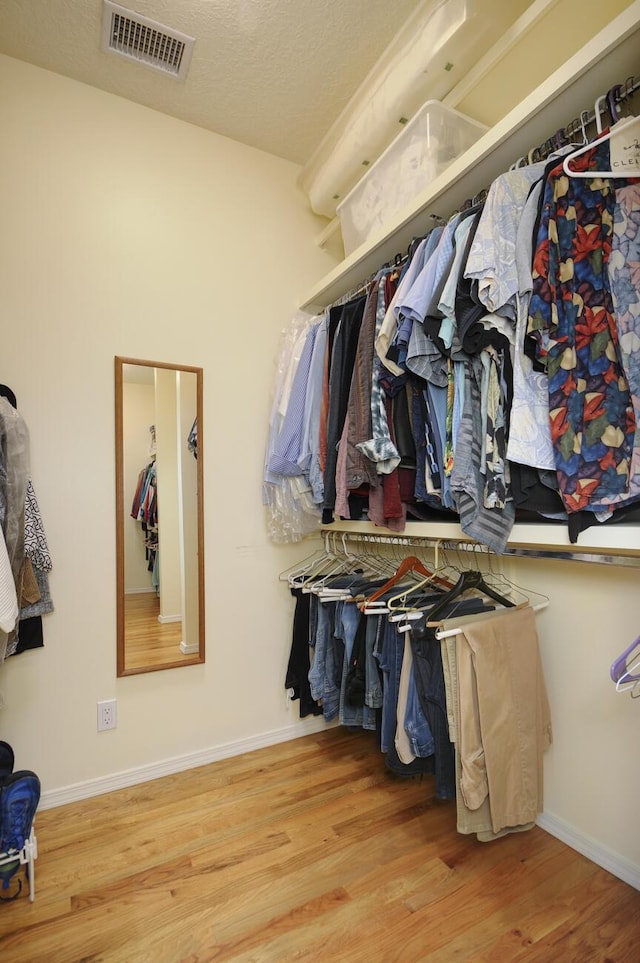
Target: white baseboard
[
  {"x": 613, "y": 862},
  {"x": 166, "y": 767},
  {"x": 169, "y": 618},
  {"x": 189, "y": 648}
]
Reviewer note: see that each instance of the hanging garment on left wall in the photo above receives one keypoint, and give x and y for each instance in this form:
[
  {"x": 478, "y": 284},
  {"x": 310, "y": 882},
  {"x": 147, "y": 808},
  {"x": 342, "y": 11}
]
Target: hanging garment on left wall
[{"x": 24, "y": 537}]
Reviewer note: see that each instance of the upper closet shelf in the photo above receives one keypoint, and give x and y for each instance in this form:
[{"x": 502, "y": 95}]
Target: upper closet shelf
[{"x": 608, "y": 59}]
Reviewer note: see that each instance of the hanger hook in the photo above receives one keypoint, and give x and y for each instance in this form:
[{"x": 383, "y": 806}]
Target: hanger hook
[
  {"x": 584, "y": 120},
  {"x": 612, "y": 102},
  {"x": 596, "y": 109}
]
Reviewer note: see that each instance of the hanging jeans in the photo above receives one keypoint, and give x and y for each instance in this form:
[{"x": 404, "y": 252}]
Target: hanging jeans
[{"x": 325, "y": 672}]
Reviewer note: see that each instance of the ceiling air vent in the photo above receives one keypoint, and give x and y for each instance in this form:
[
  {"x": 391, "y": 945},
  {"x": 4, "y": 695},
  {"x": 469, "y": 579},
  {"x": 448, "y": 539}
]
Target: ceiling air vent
[{"x": 145, "y": 41}]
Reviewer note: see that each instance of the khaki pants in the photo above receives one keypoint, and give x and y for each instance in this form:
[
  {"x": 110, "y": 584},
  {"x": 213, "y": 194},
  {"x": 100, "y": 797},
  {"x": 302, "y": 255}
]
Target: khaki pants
[{"x": 502, "y": 721}]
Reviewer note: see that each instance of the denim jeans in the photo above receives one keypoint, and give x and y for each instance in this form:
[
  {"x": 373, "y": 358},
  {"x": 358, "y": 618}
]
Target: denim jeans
[
  {"x": 347, "y": 619},
  {"x": 373, "y": 683},
  {"x": 415, "y": 723},
  {"x": 390, "y": 654},
  {"x": 325, "y": 671}
]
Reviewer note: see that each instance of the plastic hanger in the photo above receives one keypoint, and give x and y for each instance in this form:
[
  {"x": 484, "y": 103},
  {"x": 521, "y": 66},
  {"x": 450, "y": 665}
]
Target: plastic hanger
[
  {"x": 612, "y": 102},
  {"x": 630, "y": 681},
  {"x": 468, "y": 580},
  {"x": 602, "y": 100},
  {"x": 626, "y": 126},
  {"x": 622, "y": 672},
  {"x": 6, "y": 392}
]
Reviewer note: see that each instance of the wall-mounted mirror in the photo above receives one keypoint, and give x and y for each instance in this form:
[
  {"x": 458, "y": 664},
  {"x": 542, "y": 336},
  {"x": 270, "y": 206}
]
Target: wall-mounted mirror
[{"x": 159, "y": 516}]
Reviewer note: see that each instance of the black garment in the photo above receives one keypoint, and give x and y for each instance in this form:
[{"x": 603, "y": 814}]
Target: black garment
[
  {"x": 403, "y": 430},
  {"x": 581, "y": 521},
  {"x": 531, "y": 494},
  {"x": 429, "y": 676},
  {"x": 342, "y": 360},
  {"x": 297, "y": 677},
  {"x": 355, "y": 682},
  {"x": 30, "y": 634}
]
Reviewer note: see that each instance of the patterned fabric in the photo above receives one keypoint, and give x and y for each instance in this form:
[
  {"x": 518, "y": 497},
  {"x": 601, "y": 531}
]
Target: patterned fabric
[
  {"x": 571, "y": 320},
  {"x": 489, "y": 526},
  {"x": 529, "y": 430},
  {"x": 35, "y": 540},
  {"x": 496, "y": 468},
  {"x": 492, "y": 260},
  {"x": 380, "y": 448},
  {"x": 448, "y": 445},
  {"x": 624, "y": 276}
]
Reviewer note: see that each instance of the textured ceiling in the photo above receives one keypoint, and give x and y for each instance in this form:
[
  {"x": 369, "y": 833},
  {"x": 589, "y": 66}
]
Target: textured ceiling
[{"x": 270, "y": 73}]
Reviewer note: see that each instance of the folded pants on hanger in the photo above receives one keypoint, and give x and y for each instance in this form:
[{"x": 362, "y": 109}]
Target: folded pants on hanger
[{"x": 505, "y": 722}]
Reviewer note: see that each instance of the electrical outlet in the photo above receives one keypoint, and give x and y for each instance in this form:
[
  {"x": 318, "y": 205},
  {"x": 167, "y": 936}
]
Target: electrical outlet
[{"x": 107, "y": 715}]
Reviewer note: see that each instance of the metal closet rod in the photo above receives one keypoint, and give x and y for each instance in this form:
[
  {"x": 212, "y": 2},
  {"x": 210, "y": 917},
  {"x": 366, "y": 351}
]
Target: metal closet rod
[{"x": 606, "y": 557}]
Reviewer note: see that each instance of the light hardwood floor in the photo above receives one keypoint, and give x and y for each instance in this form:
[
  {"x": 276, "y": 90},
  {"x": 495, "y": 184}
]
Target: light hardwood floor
[
  {"x": 309, "y": 851},
  {"x": 149, "y": 642}
]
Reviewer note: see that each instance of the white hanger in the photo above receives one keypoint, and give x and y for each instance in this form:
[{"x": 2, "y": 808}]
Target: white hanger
[
  {"x": 629, "y": 681},
  {"x": 602, "y": 100},
  {"x": 626, "y": 126}
]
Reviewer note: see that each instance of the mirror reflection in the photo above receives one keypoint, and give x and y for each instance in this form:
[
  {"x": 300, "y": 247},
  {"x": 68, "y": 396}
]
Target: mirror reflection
[{"x": 159, "y": 517}]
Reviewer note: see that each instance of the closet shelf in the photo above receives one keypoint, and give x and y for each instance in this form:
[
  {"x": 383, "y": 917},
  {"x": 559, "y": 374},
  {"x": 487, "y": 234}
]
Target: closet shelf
[{"x": 609, "y": 58}]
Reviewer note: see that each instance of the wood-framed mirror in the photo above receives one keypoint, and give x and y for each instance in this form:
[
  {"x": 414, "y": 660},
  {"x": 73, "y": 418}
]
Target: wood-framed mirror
[{"x": 159, "y": 516}]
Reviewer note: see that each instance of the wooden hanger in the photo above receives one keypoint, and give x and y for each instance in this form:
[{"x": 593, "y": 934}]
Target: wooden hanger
[{"x": 410, "y": 565}]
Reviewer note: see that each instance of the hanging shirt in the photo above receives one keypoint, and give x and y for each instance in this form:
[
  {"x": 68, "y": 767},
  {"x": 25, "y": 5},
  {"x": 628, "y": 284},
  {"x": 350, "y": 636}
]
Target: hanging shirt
[
  {"x": 624, "y": 276},
  {"x": 571, "y": 320}
]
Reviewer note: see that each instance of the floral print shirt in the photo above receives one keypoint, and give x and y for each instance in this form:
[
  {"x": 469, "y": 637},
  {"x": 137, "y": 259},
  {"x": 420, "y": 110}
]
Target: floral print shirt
[{"x": 572, "y": 322}]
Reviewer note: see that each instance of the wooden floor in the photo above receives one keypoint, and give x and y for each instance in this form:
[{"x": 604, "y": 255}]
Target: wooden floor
[
  {"x": 306, "y": 851},
  {"x": 149, "y": 642}
]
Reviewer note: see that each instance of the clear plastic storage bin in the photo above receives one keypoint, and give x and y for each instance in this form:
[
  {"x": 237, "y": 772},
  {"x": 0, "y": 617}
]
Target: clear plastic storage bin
[{"x": 432, "y": 139}]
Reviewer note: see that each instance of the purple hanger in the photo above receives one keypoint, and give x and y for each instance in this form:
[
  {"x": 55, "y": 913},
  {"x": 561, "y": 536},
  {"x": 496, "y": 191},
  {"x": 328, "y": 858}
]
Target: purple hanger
[
  {"x": 612, "y": 102},
  {"x": 621, "y": 665}
]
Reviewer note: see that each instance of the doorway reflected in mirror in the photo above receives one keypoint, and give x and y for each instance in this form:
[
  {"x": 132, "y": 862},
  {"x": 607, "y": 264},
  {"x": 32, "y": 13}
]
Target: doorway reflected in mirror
[{"x": 159, "y": 516}]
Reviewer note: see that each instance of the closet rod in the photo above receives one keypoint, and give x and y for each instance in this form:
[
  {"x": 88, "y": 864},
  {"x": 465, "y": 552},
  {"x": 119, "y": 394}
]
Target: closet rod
[
  {"x": 618, "y": 94},
  {"x": 606, "y": 557}
]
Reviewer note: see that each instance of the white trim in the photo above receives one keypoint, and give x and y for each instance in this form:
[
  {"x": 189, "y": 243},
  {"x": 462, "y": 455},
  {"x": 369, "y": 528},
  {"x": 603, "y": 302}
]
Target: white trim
[
  {"x": 163, "y": 619},
  {"x": 189, "y": 648},
  {"x": 141, "y": 591},
  {"x": 606, "y": 858},
  {"x": 166, "y": 767}
]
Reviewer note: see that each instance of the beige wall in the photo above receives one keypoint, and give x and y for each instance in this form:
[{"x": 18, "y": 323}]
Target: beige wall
[
  {"x": 592, "y": 771},
  {"x": 563, "y": 29},
  {"x": 127, "y": 232}
]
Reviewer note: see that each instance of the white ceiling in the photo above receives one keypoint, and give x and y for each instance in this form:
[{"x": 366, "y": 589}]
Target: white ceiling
[{"x": 270, "y": 73}]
